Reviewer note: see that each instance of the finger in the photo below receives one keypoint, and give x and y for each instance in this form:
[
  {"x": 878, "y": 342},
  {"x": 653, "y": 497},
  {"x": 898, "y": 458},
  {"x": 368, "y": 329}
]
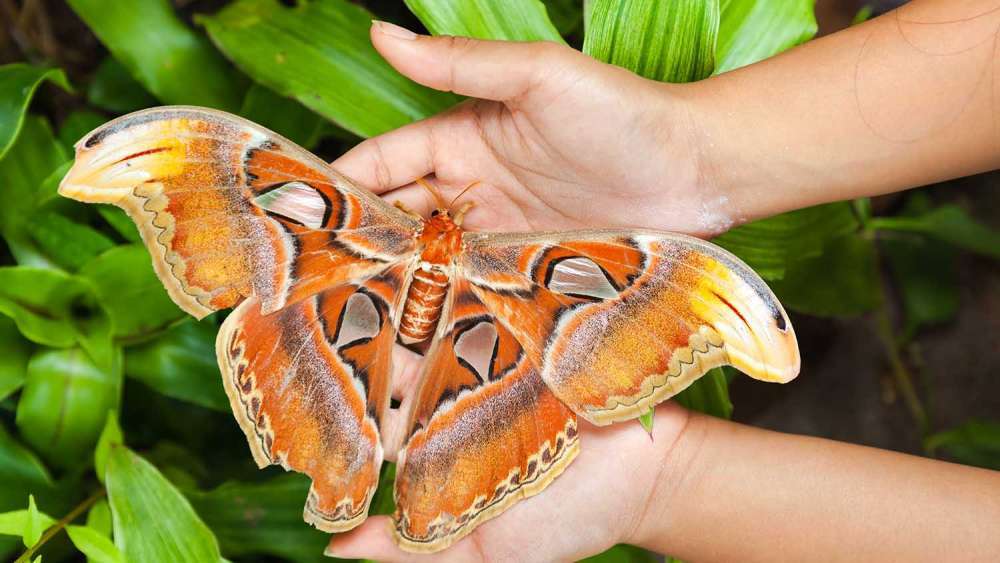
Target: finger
[
  {"x": 491, "y": 70},
  {"x": 391, "y": 160},
  {"x": 406, "y": 369},
  {"x": 373, "y": 540}
]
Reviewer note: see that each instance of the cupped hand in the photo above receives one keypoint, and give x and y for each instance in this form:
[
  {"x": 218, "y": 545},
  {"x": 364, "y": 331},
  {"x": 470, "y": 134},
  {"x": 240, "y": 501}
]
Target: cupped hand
[{"x": 556, "y": 140}]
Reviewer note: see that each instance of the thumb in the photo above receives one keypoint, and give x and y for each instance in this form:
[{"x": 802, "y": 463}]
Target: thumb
[{"x": 491, "y": 70}]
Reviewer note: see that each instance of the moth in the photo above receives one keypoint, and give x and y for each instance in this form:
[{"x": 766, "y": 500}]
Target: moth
[{"x": 527, "y": 332}]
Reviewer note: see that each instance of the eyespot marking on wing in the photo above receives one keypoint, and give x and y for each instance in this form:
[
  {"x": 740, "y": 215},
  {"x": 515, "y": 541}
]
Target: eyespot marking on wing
[
  {"x": 360, "y": 321},
  {"x": 579, "y": 277},
  {"x": 476, "y": 349},
  {"x": 298, "y": 202}
]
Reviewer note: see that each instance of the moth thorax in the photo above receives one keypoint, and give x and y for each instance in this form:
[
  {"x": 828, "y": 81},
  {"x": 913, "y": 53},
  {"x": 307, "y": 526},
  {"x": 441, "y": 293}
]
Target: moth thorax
[{"x": 423, "y": 303}]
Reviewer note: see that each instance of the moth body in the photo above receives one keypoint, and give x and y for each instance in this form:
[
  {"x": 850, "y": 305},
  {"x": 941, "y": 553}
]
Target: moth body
[{"x": 439, "y": 241}]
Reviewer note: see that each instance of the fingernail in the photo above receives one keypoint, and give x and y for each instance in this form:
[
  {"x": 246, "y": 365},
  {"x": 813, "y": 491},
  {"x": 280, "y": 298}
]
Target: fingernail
[{"x": 393, "y": 30}]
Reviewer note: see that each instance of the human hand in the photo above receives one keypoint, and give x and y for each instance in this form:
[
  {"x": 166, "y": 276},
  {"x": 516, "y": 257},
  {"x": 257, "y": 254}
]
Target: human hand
[
  {"x": 600, "y": 500},
  {"x": 557, "y": 140}
]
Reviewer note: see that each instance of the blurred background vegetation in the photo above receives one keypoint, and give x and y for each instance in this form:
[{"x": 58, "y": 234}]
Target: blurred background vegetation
[{"x": 895, "y": 300}]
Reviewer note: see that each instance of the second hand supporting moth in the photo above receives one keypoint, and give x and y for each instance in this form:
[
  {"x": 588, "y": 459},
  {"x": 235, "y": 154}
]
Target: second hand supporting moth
[{"x": 525, "y": 332}]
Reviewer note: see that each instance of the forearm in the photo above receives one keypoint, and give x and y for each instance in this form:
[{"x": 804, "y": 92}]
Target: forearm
[
  {"x": 737, "y": 493},
  {"x": 901, "y": 101}
]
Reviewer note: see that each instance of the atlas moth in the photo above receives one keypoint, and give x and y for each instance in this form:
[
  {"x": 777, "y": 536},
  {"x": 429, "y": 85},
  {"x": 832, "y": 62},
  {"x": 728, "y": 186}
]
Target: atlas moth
[{"x": 525, "y": 333}]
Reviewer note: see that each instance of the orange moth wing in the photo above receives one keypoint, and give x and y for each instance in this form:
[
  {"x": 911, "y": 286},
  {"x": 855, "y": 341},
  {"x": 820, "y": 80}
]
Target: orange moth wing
[
  {"x": 618, "y": 321},
  {"x": 484, "y": 430}
]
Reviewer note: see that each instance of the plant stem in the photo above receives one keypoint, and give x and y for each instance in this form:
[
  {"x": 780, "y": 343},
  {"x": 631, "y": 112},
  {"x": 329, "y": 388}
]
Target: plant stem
[
  {"x": 902, "y": 375},
  {"x": 58, "y": 526}
]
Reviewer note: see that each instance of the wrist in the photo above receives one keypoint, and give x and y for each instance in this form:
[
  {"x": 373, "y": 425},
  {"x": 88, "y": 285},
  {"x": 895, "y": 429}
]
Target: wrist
[{"x": 676, "y": 437}]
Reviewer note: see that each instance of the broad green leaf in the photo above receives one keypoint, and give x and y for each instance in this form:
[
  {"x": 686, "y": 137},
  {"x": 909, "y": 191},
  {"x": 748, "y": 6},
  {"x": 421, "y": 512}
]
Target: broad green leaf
[
  {"x": 320, "y": 54},
  {"x": 949, "y": 223},
  {"x": 18, "y": 83},
  {"x": 50, "y": 307},
  {"x": 114, "y": 89},
  {"x": 34, "y": 524},
  {"x": 120, "y": 222},
  {"x": 976, "y": 442},
  {"x": 261, "y": 518},
  {"x": 770, "y": 245},
  {"x": 128, "y": 289},
  {"x": 97, "y": 548},
  {"x": 99, "y": 518},
  {"x": 841, "y": 282},
  {"x": 20, "y": 471},
  {"x": 65, "y": 242},
  {"x": 15, "y": 522},
  {"x": 152, "y": 519},
  {"x": 65, "y": 403},
  {"x": 48, "y": 192},
  {"x": 924, "y": 272},
  {"x": 14, "y": 354},
  {"x": 283, "y": 115},
  {"x": 753, "y": 30},
  {"x": 863, "y": 14},
  {"x": 76, "y": 125},
  {"x": 709, "y": 395},
  {"x": 35, "y": 155},
  {"x": 173, "y": 62},
  {"x": 111, "y": 436},
  {"x": 665, "y": 41},
  {"x": 623, "y": 553},
  {"x": 181, "y": 364},
  {"x": 511, "y": 20}
]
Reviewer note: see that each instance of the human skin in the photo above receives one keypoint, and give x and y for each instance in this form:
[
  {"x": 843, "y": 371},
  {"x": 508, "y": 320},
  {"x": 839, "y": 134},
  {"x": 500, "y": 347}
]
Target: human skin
[{"x": 558, "y": 140}]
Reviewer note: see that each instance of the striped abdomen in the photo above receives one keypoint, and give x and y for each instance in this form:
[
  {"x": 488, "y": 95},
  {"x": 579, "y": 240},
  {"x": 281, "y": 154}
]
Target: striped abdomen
[{"x": 423, "y": 304}]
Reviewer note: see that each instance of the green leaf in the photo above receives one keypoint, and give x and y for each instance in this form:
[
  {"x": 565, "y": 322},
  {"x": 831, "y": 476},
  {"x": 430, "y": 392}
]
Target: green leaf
[
  {"x": 20, "y": 471},
  {"x": 14, "y": 354},
  {"x": 320, "y": 54},
  {"x": 35, "y": 155},
  {"x": 64, "y": 404},
  {"x": 510, "y": 20},
  {"x": 128, "y": 289},
  {"x": 646, "y": 421},
  {"x": 566, "y": 15},
  {"x": 99, "y": 518},
  {"x": 120, "y": 222},
  {"x": 111, "y": 436},
  {"x": 34, "y": 524},
  {"x": 948, "y": 223},
  {"x": 15, "y": 523},
  {"x": 97, "y": 548},
  {"x": 863, "y": 14},
  {"x": 666, "y": 41},
  {"x": 65, "y": 242},
  {"x": 181, "y": 364},
  {"x": 18, "y": 83},
  {"x": 261, "y": 518},
  {"x": 76, "y": 125},
  {"x": 976, "y": 442},
  {"x": 283, "y": 115},
  {"x": 841, "y": 282},
  {"x": 114, "y": 89},
  {"x": 623, "y": 553},
  {"x": 924, "y": 272},
  {"x": 55, "y": 309},
  {"x": 384, "y": 502},
  {"x": 152, "y": 519},
  {"x": 770, "y": 245},
  {"x": 709, "y": 394},
  {"x": 172, "y": 61},
  {"x": 753, "y": 30}
]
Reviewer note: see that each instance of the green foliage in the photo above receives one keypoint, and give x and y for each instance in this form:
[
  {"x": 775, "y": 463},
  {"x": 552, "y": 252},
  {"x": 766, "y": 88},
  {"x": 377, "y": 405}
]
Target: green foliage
[
  {"x": 80, "y": 306},
  {"x": 511, "y": 20},
  {"x": 176, "y": 64},
  {"x": 667, "y": 41},
  {"x": 320, "y": 54},
  {"x": 152, "y": 519}
]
